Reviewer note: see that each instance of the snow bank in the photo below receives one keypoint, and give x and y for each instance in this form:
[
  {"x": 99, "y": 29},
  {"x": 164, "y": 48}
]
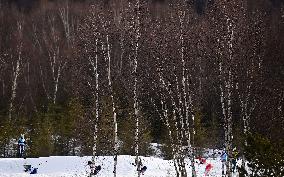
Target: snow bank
[{"x": 70, "y": 166}]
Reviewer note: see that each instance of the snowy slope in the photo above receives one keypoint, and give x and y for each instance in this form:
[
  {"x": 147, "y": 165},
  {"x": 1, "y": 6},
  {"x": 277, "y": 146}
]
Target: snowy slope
[{"x": 71, "y": 166}]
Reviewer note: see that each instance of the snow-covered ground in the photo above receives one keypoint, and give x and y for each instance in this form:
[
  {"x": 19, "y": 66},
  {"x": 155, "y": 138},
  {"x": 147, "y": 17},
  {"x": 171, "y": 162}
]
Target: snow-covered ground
[{"x": 73, "y": 166}]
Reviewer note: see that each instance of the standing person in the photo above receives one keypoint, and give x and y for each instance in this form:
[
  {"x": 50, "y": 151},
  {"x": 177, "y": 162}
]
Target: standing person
[
  {"x": 21, "y": 144},
  {"x": 234, "y": 160},
  {"x": 224, "y": 158}
]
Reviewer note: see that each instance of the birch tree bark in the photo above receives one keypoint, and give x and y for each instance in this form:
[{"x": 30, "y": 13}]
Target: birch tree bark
[
  {"x": 95, "y": 94},
  {"x": 187, "y": 98},
  {"x": 113, "y": 105},
  {"x": 17, "y": 67},
  {"x": 91, "y": 37},
  {"x": 234, "y": 15},
  {"x": 226, "y": 84},
  {"x": 52, "y": 39},
  {"x": 249, "y": 71},
  {"x": 136, "y": 109},
  {"x": 97, "y": 103},
  {"x": 166, "y": 120},
  {"x": 180, "y": 153},
  {"x": 107, "y": 55},
  {"x": 191, "y": 130}
]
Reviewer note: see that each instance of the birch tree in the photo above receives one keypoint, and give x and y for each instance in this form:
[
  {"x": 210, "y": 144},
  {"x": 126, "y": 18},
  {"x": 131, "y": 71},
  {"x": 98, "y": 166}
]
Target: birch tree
[
  {"x": 135, "y": 106},
  {"x": 228, "y": 41},
  {"x": 95, "y": 87},
  {"x": 165, "y": 117},
  {"x": 187, "y": 97},
  {"x": 249, "y": 70},
  {"x": 52, "y": 40},
  {"x": 107, "y": 55},
  {"x": 178, "y": 153},
  {"x": 95, "y": 67},
  {"x": 172, "y": 78},
  {"x": 226, "y": 87},
  {"x": 226, "y": 84},
  {"x": 17, "y": 66}
]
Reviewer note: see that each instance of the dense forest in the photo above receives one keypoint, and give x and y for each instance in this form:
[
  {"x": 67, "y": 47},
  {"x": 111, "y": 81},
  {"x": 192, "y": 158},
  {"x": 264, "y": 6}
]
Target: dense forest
[{"x": 121, "y": 74}]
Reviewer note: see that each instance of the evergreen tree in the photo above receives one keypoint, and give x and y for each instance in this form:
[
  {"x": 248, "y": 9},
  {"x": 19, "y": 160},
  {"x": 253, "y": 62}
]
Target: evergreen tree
[{"x": 265, "y": 158}]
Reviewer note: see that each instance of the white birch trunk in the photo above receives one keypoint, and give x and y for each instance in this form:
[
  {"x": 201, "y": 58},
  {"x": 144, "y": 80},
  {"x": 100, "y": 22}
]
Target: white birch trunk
[
  {"x": 226, "y": 84},
  {"x": 17, "y": 68},
  {"x": 171, "y": 141},
  {"x": 56, "y": 63},
  {"x": 64, "y": 15},
  {"x": 179, "y": 150},
  {"x": 192, "y": 130},
  {"x": 165, "y": 119},
  {"x": 115, "y": 133},
  {"x": 179, "y": 107},
  {"x": 184, "y": 103},
  {"x": 137, "y": 37},
  {"x": 96, "y": 98},
  {"x": 113, "y": 106}
]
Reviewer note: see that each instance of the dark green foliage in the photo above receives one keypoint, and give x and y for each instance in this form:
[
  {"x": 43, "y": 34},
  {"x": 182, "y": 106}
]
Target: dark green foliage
[
  {"x": 41, "y": 142},
  {"x": 214, "y": 132},
  {"x": 106, "y": 128},
  {"x": 166, "y": 150},
  {"x": 6, "y": 133},
  {"x": 265, "y": 158},
  {"x": 200, "y": 136},
  {"x": 55, "y": 132},
  {"x": 127, "y": 136}
]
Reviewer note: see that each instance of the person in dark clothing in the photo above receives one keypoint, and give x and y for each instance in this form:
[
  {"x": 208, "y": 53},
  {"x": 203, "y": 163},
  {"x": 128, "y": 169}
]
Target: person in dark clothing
[
  {"x": 94, "y": 169},
  {"x": 143, "y": 169},
  {"x": 34, "y": 171},
  {"x": 235, "y": 155},
  {"x": 97, "y": 169}
]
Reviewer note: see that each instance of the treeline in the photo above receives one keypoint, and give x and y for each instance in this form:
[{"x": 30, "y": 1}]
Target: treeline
[{"x": 202, "y": 79}]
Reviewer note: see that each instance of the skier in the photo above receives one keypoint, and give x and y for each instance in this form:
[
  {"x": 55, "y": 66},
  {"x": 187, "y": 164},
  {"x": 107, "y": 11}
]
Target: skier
[
  {"x": 208, "y": 169},
  {"x": 27, "y": 168},
  {"x": 139, "y": 164},
  {"x": 202, "y": 160},
  {"x": 143, "y": 169},
  {"x": 22, "y": 143},
  {"x": 224, "y": 158},
  {"x": 94, "y": 169},
  {"x": 34, "y": 170},
  {"x": 234, "y": 159}
]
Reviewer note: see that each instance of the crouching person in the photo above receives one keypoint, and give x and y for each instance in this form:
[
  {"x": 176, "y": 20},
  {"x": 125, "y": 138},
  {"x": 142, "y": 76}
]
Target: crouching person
[{"x": 94, "y": 169}]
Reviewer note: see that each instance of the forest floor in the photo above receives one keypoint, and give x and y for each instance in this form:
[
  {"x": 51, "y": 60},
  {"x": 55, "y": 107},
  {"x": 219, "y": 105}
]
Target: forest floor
[{"x": 73, "y": 166}]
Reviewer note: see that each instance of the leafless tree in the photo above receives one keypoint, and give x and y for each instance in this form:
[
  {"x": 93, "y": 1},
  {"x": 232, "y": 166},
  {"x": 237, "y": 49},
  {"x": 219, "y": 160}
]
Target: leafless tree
[{"x": 17, "y": 65}]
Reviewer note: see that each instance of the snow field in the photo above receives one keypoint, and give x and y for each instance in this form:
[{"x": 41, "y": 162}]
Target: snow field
[{"x": 73, "y": 166}]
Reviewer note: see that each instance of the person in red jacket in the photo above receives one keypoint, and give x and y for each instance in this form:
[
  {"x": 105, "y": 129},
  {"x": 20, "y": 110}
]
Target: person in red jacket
[
  {"x": 202, "y": 160},
  {"x": 208, "y": 169}
]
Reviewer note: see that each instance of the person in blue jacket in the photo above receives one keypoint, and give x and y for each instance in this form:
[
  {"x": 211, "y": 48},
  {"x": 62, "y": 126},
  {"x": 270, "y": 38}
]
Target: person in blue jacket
[
  {"x": 224, "y": 158},
  {"x": 21, "y": 143}
]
